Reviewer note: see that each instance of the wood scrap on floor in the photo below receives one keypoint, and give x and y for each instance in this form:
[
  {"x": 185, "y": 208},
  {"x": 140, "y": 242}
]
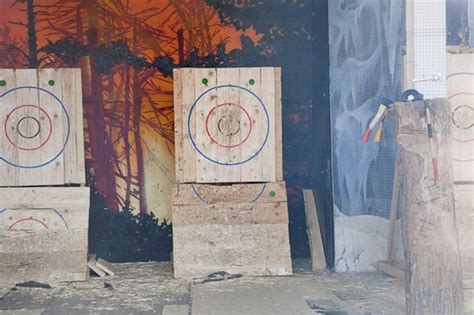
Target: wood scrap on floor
[
  {"x": 105, "y": 266},
  {"x": 318, "y": 258},
  {"x": 93, "y": 266}
]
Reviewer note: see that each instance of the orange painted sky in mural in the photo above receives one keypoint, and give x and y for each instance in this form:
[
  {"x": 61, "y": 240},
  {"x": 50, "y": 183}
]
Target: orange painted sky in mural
[{"x": 13, "y": 13}]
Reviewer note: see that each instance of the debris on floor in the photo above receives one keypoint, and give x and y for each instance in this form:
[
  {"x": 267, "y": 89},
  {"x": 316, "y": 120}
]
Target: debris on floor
[{"x": 149, "y": 288}]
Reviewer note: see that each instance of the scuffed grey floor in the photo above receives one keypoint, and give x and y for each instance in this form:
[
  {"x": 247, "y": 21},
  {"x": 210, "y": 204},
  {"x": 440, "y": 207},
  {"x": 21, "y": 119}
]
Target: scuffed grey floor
[
  {"x": 137, "y": 288},
  {"x": 145, "y": 288}
]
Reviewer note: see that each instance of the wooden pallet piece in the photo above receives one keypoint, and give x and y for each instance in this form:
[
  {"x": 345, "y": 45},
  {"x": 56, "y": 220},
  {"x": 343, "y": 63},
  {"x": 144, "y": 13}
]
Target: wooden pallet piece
[
  {"x": 43, "y": 143},
  {"x": 318, "y": 258}
]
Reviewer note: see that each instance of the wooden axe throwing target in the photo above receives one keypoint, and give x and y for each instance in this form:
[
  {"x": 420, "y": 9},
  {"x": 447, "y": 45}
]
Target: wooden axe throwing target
[
  {"x": 460, "y": 83},
  {"x": 41, "y": 128},
  {"x": 228, "y": 125},
  {"x": 35, "y": 129}
]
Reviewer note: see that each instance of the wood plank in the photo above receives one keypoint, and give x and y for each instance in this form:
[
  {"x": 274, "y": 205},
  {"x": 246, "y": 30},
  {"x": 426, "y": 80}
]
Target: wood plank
[
  {"x": 54, "y": 139},
  {"x": 278, "y": 126},
  {"x": 252, "y": 170},
  {"x": 30, "y": 115},
  {"x": 92, "y": 264},
  {"x": 45, "y": 197},
  {"x": 318, "y": 257},
  {"x": 268, "y": 97},
  {"x": 74, "y": 156},
  {"x": 228, "y": 76},
  {"x": 206, "y": 171},
  {"x": 43, "y": 266},
  {"x": 189, "y": 153},
  {"x": 44, "y": 219},
  {"x": 253, "y": 249},
  {"x": 199, "y": 194},
  {"x": 37, "y": 241},
  {"x": 231, "y": 214},
  {"x": 105, "y": 266},
  {"x": 8, "y": 174},
  {"x": 393, "y": 214},
  {"x": 178, "y": 123}
]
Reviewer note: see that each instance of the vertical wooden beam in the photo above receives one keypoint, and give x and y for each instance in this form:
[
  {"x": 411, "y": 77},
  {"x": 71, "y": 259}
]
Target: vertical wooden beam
[{"x": 432, "y": 263}]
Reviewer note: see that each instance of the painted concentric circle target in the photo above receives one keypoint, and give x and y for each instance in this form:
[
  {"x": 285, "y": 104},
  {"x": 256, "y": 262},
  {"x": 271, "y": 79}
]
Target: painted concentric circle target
[
  {"x": 38, "y": 132},
  {"x": 21, "y": 124},
  {"x": 229, "y": 126}
]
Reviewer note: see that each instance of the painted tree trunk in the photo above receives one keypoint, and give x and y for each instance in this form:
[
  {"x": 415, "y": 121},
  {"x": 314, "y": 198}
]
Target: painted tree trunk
[
  {"x": 101, "y": 147},
  {"x": 32, "y": 41},
  {"x": 432, "y": 264}
]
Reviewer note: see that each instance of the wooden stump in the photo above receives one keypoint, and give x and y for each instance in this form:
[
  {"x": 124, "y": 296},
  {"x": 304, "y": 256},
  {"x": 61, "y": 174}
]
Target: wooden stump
[{"x": 432, "y": 263}]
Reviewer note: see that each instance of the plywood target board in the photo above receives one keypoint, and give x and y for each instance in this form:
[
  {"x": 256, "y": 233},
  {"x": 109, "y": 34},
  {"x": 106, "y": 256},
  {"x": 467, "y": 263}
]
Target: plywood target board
[
  {"x": 460, "y": 80},
  {"x": 41, "y": 134},
  {"x": 228, "y": 125}
]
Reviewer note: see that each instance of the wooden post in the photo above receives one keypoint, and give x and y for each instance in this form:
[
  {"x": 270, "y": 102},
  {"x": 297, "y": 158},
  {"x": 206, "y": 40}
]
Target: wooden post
[{"x": 432, "y": 264}]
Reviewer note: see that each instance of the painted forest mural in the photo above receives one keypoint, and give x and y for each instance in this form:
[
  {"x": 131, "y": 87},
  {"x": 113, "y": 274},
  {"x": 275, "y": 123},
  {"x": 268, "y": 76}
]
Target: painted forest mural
[{"x": 127, "y": 51}]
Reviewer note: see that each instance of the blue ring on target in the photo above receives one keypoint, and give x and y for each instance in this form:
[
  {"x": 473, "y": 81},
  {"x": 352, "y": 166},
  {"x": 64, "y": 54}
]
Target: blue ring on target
[
  {"x": 67, "y": 120},
  {"x": 215, "y": 161}
]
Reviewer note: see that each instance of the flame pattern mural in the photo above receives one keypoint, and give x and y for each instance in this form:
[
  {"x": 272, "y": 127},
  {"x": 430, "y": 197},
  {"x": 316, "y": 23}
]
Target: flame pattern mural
[{"x": 127, "y": 50}]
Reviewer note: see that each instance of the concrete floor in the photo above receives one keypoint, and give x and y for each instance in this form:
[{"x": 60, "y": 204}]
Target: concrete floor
[{"x": 149, "y": 288}]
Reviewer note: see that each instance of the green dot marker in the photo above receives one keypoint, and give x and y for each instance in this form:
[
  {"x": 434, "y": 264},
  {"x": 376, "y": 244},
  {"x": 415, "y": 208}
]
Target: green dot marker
[
  {"x": 3, "y": 82},
  {"x": 205, "y": 81},
  {"x": 251, "y": 81},
  {"x": 272, "y": 193},
  {"x": 51, "y": 82}
]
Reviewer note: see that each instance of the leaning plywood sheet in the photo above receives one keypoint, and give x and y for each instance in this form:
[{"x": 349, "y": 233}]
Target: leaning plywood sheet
[
  {"x": 318, "y": 258},
  {"x": 43, "y": 234},
  {"x": 228, "y": 125},
  {"x": 240, "y": 228},
  {"x": 41, "y": 135},
  {"x": 460, "y": 91}
]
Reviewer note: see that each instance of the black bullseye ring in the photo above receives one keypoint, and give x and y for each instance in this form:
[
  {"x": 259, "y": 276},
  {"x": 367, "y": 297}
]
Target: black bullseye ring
[
  {"x": 38, "y": 127},
  {"x": 231, "y": 119}
]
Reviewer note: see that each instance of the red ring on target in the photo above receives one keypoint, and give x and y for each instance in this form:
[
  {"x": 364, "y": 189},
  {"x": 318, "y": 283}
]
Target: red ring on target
[
  {"x": 16, "y": 145},
  {"x": 214, "y": 140}
]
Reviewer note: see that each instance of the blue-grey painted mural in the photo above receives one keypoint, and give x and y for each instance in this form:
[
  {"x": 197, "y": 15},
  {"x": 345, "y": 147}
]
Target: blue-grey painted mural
[{"x": 366, "y": 40}]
